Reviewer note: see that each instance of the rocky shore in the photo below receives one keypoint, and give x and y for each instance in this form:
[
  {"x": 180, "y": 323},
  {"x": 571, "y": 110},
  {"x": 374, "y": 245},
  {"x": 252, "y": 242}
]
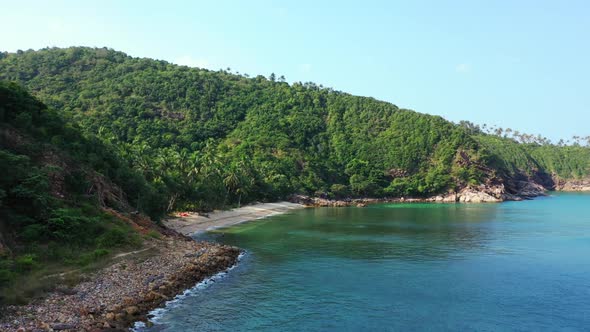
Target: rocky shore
[
  {"x": 494, "y": 192},
  {"x": 572, "y": 185},
  {"x": 471, "y": 194},
  {"x": 115, "y": 297}
]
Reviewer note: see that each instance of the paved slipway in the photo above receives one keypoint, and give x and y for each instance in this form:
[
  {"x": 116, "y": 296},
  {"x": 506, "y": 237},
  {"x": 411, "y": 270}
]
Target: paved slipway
[{"x": 196, "y": 223}]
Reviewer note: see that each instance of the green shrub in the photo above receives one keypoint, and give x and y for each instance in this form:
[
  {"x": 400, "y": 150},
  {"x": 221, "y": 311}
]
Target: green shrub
[
  {"x": 6, "y": 271},
  {"x": 26, "y": 262},
  {"x": 154, "y": 234},
  {"x": 340, "y": 190},
  {"x": 34, "y": 232},
  {"x": 92, "y": 257},
  {"x": 118, "y": 237},
  {"x": 100, "y": 253},
  {"x": 72, "y": 226}
]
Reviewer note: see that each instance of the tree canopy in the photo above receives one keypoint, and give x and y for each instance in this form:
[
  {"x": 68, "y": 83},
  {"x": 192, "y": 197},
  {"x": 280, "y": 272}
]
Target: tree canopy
[{"x": 88, "y": 129}]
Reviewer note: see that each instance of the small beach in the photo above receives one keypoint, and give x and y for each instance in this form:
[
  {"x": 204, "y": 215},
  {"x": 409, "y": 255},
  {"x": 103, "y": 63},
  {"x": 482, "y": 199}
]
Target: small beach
[
  {"x": 191, "y": 223},
  {"x": 135, "y": 283}
]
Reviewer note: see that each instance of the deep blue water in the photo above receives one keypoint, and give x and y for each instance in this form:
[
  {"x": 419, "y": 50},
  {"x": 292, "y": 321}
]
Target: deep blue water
[{"x": 516, "y": 266}]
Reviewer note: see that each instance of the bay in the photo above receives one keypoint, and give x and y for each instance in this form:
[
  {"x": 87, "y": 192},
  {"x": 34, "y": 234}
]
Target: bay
[{"x": 515, "y": 266}]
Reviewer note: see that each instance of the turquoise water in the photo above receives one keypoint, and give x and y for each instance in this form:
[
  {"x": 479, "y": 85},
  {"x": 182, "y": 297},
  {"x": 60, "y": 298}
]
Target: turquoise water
[{"x": 516, "y": 266}]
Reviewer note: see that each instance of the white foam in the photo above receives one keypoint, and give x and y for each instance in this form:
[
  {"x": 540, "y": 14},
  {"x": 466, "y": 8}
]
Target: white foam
[{"x": 158, "y": 313}]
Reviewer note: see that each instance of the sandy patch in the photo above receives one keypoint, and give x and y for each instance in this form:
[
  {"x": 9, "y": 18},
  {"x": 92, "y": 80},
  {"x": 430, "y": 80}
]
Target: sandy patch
[{"x": 195, "y": 223}]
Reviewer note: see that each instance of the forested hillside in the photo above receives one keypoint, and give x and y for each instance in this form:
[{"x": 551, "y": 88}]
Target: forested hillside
[
  {"x": 205, "y": 139},
  {"x": 108, "y": 132},
  {"x": 209, "y": 139},
  {"x": 61, "y": 193},
  {"x": 567, "y": 162}
]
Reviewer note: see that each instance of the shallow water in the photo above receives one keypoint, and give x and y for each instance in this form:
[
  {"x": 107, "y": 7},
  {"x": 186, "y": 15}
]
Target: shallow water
[{"x": 516, "y": 266}]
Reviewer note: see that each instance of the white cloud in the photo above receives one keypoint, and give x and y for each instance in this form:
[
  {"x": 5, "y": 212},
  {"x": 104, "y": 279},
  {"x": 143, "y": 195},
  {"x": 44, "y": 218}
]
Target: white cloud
[
  {"x": 463, "y": 68},
  {"x": 305, "y": 68},
  {"x": 187, "y": 60}
]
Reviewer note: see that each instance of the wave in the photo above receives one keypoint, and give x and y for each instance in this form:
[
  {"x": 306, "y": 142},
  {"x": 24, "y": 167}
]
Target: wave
[{"x": 156, "y": 314}]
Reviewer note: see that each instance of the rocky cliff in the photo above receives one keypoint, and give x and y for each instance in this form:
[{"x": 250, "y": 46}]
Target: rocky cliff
[{"x": 572, "y": 185}]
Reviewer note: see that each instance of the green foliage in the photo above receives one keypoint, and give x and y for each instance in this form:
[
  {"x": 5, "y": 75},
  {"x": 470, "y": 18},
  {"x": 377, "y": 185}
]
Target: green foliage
[
  {"x": 26, "y": 263},
  {"x": 200, "y": 139},
  {"x": 147, "y": 135},
  {"x": 205, "y": 139},
  {"x": 48, "y": 210},
  {"x": 339, "y": 190},
  {"x": 7, "y": 273},
  {"x": 154, "y": 234},
  {"x": 118, "y": 237},
  {"x": 567, "y": 162},
  {"x": 92, "y": 257}
]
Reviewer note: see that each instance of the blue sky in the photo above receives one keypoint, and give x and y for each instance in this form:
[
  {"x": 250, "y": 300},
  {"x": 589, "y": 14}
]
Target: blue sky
[{"x": 518, "y": 64}]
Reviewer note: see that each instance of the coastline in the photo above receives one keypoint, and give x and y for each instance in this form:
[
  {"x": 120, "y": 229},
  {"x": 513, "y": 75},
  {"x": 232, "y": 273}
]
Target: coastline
[
  {"x": 193, "y": 223},
  {"x": 130, "y": 288},
  {"x": 117, "y": 296},
  {"x": 476, "y": 194},
  {"x": 125, "y": 292}
]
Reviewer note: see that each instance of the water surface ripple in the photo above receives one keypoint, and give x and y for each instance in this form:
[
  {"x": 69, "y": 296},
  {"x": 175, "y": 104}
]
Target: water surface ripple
[{"x": 516, "y": 266}]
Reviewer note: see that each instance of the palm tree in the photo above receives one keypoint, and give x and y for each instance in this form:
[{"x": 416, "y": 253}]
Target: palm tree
[{"x": 232, "y": 183}]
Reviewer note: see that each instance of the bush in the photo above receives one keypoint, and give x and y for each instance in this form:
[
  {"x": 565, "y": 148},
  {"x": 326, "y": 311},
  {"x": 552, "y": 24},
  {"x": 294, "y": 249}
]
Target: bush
[
  {"x": 34, "y": 232},
  {"x": 118, "y": 237},
  {"x": 113, "y": 238},
  {"x": 92, "y": 257},
  {"x": 26, "y": 263},
  {"x": 154, "y": 234},
  {"x": 100, "y": 253},
  {"x": 6, "y": 272},
  {"x": 72, "y": 226},
  {"x": 339, "y": 190}
]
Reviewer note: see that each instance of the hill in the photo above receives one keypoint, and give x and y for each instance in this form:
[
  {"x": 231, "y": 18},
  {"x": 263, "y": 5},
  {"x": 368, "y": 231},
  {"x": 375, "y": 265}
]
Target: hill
[
  {"x": 107, "y": 140},
  {"x": 198, "y": 132},
  {"x": 205, "y": 139},
  {"x": 61, "y": 195}
]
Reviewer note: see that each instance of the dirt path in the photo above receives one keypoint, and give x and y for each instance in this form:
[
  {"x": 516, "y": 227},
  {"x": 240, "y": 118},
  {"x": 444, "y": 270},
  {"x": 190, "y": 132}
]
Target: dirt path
[{"x": 124, "y": 254}]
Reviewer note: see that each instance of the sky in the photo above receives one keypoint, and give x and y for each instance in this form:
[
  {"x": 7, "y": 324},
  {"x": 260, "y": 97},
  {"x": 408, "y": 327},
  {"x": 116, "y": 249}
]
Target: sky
[{"x": 512, "y": 63}]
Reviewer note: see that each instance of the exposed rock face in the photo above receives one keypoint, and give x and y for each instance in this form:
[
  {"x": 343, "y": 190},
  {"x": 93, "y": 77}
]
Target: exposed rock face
[
  {"x": 494, "y": 191},
  {"x": 471, "y": 195},
  {"x": 484, "y": 194},
  {"x": 326, "y": 202},
  {"x": 573, "y": 185},
  {"x": 448, "y": 198},
  {"x": 528, "y": 189}
]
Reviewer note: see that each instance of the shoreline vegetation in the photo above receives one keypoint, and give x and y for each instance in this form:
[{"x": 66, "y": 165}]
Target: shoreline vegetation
[
  {"x": 126, "y": 291},
  {"x": 97, "y": 147},
  {"x": 470, "y": 194},
  {"x": 115, "y": 297}
]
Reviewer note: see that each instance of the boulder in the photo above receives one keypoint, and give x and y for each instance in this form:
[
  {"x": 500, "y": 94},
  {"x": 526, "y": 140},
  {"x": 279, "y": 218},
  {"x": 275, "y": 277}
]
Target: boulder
[
  {"x": 132, "y": 310},
  {"x": 61, "y": 327},
  {"x": 469, "y": 195}
]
